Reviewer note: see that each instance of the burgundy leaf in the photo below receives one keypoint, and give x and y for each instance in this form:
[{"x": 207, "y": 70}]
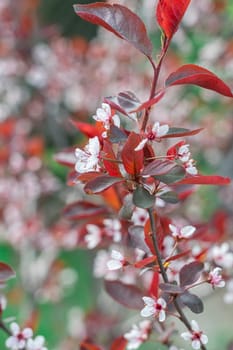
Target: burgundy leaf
[
  {"x": 190, "y": 273},
  {"x": 171, "y": 288},
  {"x": 150, "y": 102},
  {"x": 119, "y": 20},
  {"x": 125, "y": 294},
  {"x": 205, "y": 180},
  {"x": 158, "y": 167},
  {"x": 192, "y": 301},
  {"x": 6, "y": 272},
  {"x": 83, "y": 210},
  {"x": 180, "y": 132},
  {"x": 195, "y": 75},
  {"x": 169, "y": 14},
  {"x": 175, "y": 175},
  {"x": 101, "y": 183}
]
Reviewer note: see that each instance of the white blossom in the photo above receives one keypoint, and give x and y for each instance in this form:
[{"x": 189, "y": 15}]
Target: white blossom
[
  {"x": 190, "y": 167},
  {"x": 36, "y": 344},
  {"x": 139, "y": 216},
  {"x": 197, "y": 337},
  {"x": 222, "y": 256},
  {"x": 113, "y": 229},
  {"x": 154, "y": 307},
  {"x": 137, "y": 335},
  {"x": 117, "y": 261},
  {"x": 184, "y": 153},
  {"x": 88, "y": 159},
  {"x": 19, "y": 338},
  {"x": 182, "y": 233},
  {"x": 156, "y": 132},
  {"x": 104, "y": 115},
  {"x": 93, "y": 236}
]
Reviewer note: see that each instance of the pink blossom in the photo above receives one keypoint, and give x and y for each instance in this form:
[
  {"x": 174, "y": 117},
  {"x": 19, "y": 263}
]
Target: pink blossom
[
  {"x": 154, "y": 307},
  {"x": 215, "y": 278},
  {"x": 197, "y": 337},
  {"x": 222, "y": 256}
]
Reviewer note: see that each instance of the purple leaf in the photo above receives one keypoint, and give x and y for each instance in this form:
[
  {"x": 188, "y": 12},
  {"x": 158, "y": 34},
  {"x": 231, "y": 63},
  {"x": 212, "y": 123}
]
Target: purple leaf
[
  {"x": 101, "y": 183},
  {"x": 190, "y": 273},
  {"x": 119, "y": 20},
  {"x": 83, "y": 210},
  {"x": 192, "y": 301},
  {"x": 158, "y": 167},
  {"x": 125, "y": 294},
  {"x": 171, "y": 288}
]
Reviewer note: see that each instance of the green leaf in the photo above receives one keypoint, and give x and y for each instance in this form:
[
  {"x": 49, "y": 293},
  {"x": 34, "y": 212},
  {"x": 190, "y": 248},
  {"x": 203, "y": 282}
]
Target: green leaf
[
  {"x": 174, "y": 175},
  {"x": 170, "y": 197},
  {"x": 142, "y": 198}
]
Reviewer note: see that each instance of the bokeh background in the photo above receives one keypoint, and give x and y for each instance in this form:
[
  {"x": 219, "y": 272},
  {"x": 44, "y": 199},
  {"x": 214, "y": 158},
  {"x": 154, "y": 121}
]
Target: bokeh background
[{"x": 54, "y": 67}]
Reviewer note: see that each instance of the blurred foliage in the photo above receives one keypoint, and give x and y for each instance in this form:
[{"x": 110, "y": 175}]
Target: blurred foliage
[{"x": 61, "y": 14}]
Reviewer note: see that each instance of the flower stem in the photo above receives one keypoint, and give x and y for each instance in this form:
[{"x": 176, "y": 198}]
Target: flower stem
[
  {"x": 4, "y": 328},
  {"x": 182, "y": 316}
]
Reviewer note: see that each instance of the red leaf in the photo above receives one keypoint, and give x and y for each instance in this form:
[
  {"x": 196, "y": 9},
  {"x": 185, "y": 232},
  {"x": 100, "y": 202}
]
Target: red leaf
[
  {"x": 119, "y": 344},
  {"x": 119, "y": 20},
  {"x": 154, "y": 285},
  {"x": 111, "y": 166},
  {"x": 147, "y": 262},
  {"x": 150, "y": 102},
  {"x": 6, "y": 272},
  {"x": 169, "y": 14},
  {"x": 89, "y": 346},
  {"x": 83, "y": 210},
  {"x": 205, "y": 180},
  {"x": 195, "y": 75},
  {"x": 125, "y": 294},
  {"x": 87, "y": 129},
  {"x": 101, "y": 183},
  {"x": 132, "y": 160}
]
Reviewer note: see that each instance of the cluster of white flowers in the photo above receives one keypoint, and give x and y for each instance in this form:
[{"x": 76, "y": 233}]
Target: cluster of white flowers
[
  {"x": 156, "y": 132},
  {"x": 137, "y": 335},
  {"x": 185, "y": 157},
  {"x": 22, "y": 339},
  {"x": 184, "y": 232}
]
